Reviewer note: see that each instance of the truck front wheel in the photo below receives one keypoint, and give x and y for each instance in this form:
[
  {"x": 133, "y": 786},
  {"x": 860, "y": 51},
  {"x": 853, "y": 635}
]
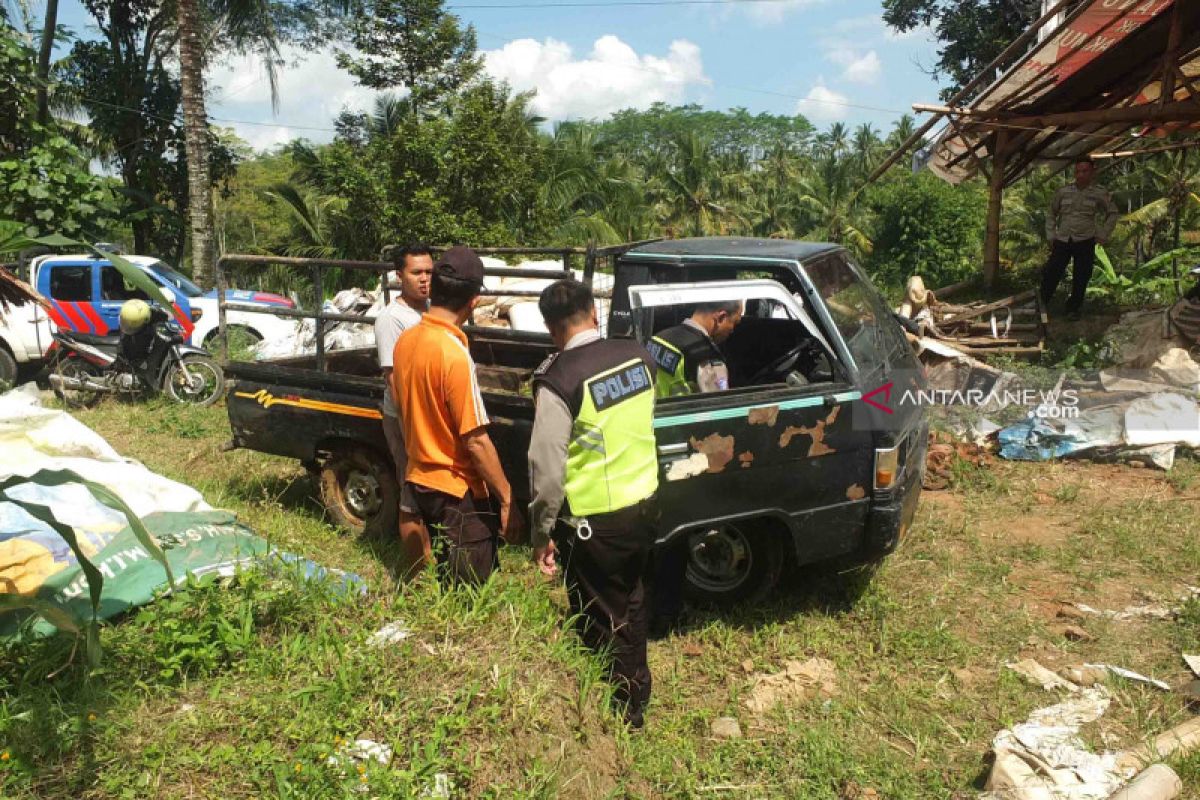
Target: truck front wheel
[
  {"x": 359, "y": 491},
  {"x": 8, "y": 370},
  {"x": 735, "y": 562}
]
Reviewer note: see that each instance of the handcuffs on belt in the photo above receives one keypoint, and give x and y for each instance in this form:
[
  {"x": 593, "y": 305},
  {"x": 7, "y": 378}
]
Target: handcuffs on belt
[{"x": 583, "y": 528}]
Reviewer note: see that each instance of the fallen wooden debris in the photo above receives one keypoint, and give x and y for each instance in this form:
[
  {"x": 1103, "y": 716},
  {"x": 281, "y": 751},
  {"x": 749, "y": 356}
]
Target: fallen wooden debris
[
  {"x": 1181, "y": 739},
  {"x": 1158, "y": 782}
]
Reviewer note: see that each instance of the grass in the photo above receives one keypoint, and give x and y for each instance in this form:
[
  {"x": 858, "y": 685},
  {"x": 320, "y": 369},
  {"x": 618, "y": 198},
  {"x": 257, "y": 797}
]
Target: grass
[{"x": 246, "y": 689}]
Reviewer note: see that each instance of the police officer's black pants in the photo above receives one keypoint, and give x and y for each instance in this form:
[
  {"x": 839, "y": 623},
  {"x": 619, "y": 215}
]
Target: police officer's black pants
[
  {"x": 603, "y": 576},
  {"x": 1083, "y": 253}
]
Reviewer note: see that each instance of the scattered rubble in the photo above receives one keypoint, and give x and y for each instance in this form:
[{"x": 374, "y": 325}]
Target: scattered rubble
[
  {"x": 1159, "y": 782},
  {"x": 361, "y": 750},
  {"x": 1015, "y": 325},
  {"x": 1193, "y": 663},
  {"x": 1038, "y": 675},
  {"x": 797, "y": 683},
  {"x": 391, "y": 633},
  {"x": 494, "y": 311},
  {"x": 1074, "y": 633},
  {"x": 853, "y": 790},
  {"x": 942, "y": 454},
  {"x": 1153, "y": 611},
  {"x": 1044, "y": 757},
  {"x": 726, "y": 728}
]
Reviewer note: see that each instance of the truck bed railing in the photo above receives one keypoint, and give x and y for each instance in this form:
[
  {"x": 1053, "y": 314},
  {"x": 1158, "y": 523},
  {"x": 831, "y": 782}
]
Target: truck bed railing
[{"x": 316, "y": 268}]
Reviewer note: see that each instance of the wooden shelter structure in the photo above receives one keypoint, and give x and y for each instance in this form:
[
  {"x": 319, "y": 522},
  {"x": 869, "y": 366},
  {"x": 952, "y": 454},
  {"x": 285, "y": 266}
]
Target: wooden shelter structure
[{"x": 1088, "y": 77}]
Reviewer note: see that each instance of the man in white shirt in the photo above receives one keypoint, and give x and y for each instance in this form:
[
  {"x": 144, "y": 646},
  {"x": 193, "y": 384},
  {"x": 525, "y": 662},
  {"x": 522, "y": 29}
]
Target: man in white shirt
[{"x": 405, "y": 310}]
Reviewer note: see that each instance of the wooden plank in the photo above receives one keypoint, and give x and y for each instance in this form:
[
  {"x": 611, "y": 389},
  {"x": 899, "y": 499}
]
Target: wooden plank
[{"x": 984, "y": 309}]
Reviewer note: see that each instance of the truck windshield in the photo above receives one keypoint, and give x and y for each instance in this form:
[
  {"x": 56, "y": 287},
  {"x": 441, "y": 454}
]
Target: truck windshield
[
  {"x": 856, "y": 309},
  {"x": 172, "y": 277}
]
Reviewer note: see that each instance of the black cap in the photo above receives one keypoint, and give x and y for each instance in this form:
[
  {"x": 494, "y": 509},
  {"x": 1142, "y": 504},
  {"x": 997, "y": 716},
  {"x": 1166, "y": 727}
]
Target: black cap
[{"x": 460, "y": 262}]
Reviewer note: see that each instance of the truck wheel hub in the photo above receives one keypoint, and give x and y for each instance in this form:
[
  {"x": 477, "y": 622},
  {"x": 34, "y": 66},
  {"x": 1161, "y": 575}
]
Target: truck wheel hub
[
  {"x": 720, "y": 558},
  {"x": 363, "y": 495}
]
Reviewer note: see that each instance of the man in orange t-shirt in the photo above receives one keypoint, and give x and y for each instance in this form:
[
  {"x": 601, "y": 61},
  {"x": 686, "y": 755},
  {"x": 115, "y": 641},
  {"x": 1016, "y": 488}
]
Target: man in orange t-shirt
[{"x": 459, "y": 487}]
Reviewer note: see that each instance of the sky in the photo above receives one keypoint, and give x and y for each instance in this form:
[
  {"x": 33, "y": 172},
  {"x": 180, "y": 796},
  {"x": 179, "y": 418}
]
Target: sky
[{"x": 830, "y": 60}]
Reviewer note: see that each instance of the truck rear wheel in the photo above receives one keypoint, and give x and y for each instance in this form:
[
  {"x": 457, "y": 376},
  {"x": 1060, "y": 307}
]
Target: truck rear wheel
[
  {"x": 735, "y": 562},
  {"x": 359, "y": 490}
]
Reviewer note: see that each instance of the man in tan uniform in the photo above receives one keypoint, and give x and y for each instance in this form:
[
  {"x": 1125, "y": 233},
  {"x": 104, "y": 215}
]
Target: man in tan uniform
[{"x": 1081, "y": 216}]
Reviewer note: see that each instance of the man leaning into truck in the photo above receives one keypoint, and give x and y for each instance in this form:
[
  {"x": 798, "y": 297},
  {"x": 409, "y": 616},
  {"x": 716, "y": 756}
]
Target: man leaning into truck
[
  {"x": 687, "y": 357},
  {"x": 688, "y": 361},
  {"x": 405, "y": 310},
  {"x": 593, "y": 471},
  {"x": 460, "y": 489}
]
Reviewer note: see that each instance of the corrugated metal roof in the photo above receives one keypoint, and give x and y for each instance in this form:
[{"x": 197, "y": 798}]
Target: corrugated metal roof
[{"x": 1096, "y": 84}]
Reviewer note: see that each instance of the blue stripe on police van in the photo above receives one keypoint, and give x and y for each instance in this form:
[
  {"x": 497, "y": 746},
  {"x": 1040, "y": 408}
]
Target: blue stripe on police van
[{"x": 741, "y": 411}]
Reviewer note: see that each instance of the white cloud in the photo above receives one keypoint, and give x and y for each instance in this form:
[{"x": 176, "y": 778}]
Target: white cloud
[
  {"x": 872, "y": 28},
  {"x": 858, "y": 68},
  {"x": 612, "y": 76},
  {"x": 772, "y": 11},
  {"x": 822, "y": 104},
  {"x": 312, "y": 91}
]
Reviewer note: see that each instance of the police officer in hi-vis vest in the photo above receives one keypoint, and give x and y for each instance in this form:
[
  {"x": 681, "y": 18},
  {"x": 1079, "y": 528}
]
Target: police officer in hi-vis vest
[
  {"x": 688, "y": 361},
  {"x": 687, "y": 356},
  {"x": 593, "y": 472}
]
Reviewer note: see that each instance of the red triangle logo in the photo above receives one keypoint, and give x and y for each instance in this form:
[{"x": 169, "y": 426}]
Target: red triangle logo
[{"x": 886, "y": 391}]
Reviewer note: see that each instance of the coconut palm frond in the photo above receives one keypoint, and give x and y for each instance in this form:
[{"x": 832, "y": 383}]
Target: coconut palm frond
[{"x": 16, "y": 292}]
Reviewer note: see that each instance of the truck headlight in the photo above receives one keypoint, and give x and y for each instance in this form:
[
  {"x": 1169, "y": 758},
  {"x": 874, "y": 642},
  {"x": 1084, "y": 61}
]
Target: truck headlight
[{"x": 887, "y": 467}]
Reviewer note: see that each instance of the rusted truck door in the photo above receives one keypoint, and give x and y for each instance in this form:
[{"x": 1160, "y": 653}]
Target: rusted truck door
[{"x": 780, "y": 456}]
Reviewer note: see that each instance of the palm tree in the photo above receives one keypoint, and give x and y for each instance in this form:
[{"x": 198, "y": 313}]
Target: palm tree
[
  {"x": 49, "y": 30},
  {"x": 828, "y": 203},
  {"x": 390, "y": 113},
  {"x": 694, "y": 189},
  {"x": 865, "y": 149},
  {"x": 243, "y": 25},
  {"x": 904, "y": 128}
]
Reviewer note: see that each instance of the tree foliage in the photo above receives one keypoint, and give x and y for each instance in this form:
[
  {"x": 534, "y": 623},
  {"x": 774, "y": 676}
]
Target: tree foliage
[
  {"x": 44, "y": 179},
  {"x": 414, "y": 44},
  {"x": 971, "y": 32},
  {"x": 927, "y": 227}
]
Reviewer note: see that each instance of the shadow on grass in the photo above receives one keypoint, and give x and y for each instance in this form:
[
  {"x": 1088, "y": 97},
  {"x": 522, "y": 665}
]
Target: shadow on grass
[
  {"x": 830, "y": 589},
  {"x": 295, "y": 492},
  {"x": 387, "y": 551}
]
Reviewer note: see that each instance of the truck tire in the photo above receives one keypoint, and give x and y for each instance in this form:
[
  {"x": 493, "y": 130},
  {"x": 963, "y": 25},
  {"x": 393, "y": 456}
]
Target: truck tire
[
  {"x": 359, "y": 490},
  {"x": 737, "y": 562},
  {"x": 8, "y": 370}
]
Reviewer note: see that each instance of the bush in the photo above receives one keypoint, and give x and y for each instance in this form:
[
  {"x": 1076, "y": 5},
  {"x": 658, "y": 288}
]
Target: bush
[{"x": 929, "y": 228}]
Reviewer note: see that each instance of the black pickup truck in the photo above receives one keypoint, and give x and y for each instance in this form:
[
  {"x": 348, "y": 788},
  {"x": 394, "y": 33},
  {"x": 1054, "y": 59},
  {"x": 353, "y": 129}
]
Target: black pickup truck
[{"x": 781, "y": 468}]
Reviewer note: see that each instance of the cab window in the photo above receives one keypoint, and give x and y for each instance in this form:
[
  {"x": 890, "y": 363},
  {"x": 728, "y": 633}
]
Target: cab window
[
  {"x": 767, "y": 346},
  {"x": 856, "y": 309},
  {"x": 71, "y": 283},
  {"x": 114, "y": 286}
]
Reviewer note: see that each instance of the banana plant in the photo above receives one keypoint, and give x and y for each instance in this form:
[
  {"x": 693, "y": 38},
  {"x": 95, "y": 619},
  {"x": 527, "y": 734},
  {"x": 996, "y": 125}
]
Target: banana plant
[{"x": 58, "y": 614}]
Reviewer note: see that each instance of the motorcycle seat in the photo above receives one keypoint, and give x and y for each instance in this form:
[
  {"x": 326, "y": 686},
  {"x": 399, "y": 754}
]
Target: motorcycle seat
[{"x": 108, "y": 342}]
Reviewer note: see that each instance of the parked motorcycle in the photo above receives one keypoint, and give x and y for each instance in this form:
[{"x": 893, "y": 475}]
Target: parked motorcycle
[{"x": 150, "y": 356}]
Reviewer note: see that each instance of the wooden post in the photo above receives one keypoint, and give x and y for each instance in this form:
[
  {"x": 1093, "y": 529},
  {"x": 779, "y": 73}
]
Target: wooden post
[{"x": 991, "y": 242}]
